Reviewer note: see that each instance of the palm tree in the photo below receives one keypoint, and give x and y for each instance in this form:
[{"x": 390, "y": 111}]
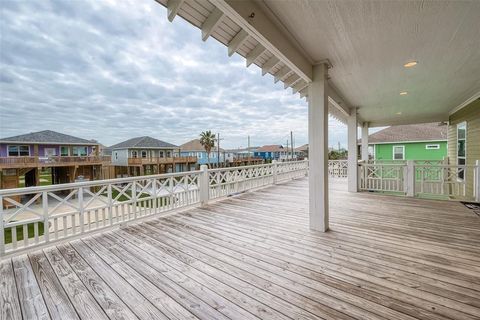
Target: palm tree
[{"x": 207, "y": 140}]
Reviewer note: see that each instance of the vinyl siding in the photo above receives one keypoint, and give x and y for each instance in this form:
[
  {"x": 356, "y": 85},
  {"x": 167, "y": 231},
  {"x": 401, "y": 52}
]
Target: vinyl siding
[
  {"x": 413, "y": 151},
  {"x": 471, "y": 115}
]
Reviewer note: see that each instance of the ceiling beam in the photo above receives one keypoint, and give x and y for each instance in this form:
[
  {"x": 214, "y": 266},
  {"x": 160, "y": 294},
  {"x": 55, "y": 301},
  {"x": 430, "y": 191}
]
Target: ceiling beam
[
  {"x": 281, "y": 73},
  {"x": 250, "y": 17},
  {"x": 269, "y": 65},
  {"x": 338, "y": 101},
  {"x": 211, "y": 23},
  {"x": 172, "y": 8},
  {"x": 290, "y": 80},
  {"x": 299, "y": 86},
  {"x": 254, "y": 54},
  {"x": 303, "y": 92},
  {"x": 237, "y": 42}
]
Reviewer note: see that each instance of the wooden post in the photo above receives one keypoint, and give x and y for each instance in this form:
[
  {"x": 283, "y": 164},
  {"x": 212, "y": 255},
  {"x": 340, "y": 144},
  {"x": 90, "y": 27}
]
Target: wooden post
[
  {"x": 352, "y": 152},
  {"x": 45, "y": 216},
  {"x": 318, "y": 149},
  {"x": 81, "y": 210},
  {"x": 477, "y": 181},
  {"x": 410, "y": 178},
  {"x": 2, "y": 229},
  {"x": 274, "y": 171},
  {"x": 204, "y": 185}
]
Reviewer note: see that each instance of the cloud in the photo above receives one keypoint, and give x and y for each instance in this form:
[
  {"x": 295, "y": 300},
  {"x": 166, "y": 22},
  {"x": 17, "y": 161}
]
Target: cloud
[{"x": 112, "y": 70}]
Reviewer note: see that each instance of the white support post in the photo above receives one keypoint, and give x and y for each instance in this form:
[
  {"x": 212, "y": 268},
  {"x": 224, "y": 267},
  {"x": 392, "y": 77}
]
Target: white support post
[
  {"x": 410, "y": 178},
  {"x": 352, "y": 152},
  {"x": 274, "y": 171},
  {"x": 477, "y": 181},
  {"x": 204, "y": 185},
  {"x": 318, "y": 149},
  {"x": 81, "y": 211},
  {"x": 110, "y": 204},
  {"x": 46, "y": 232},
  {"x": 365, "y": 142}
]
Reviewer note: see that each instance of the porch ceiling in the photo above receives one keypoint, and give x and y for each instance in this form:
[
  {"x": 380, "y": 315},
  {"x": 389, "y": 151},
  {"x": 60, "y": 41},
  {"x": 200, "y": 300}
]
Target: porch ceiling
[{"x": 366, "y": 42}]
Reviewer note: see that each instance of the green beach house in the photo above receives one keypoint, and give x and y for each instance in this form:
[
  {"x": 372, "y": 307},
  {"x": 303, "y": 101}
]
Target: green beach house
[{"x": 426, "y": 141}]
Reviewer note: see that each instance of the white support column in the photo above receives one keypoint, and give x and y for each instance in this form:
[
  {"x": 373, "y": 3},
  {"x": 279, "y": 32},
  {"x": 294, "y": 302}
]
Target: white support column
[
  {"x": 476, "y": 185},
  {"x": 365, "y": 141},
  {"x": 352, "y": 152},
  {"x": 318, "y": 149}
]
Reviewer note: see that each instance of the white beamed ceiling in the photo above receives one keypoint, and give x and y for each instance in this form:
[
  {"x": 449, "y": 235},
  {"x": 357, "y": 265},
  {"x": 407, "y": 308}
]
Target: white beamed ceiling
[{"x": 367, "y": 43}]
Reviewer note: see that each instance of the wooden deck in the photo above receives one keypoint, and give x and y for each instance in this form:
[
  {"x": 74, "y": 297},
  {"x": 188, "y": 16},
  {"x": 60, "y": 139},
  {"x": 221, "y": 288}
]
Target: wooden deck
[{"x": 253, "y": 256}]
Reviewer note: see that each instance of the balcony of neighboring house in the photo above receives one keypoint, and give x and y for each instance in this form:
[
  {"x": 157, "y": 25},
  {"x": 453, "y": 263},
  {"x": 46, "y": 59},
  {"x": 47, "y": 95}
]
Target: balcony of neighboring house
[
  {"x": 51, "y": 161},
  {"x": 161, "y": 160}
]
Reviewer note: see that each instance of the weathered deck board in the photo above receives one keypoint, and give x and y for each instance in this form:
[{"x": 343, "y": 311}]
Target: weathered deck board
[
  {"x": 9, "y": 304},
  {"x": 253, "y": 256}
]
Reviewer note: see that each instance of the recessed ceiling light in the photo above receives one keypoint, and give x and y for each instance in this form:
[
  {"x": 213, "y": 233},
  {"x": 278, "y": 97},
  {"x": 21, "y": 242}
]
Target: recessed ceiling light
[
  {"x": 410, "y": 64},
  {"x": 403, "y": 93},
  {"x": 399, "y": 113}
]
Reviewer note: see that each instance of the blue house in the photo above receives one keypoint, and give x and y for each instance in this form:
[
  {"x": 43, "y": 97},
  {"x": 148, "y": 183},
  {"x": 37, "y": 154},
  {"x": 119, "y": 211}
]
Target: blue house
[
  {"x": 271, "y": 152},
  {"x": 194, "y": 148}
]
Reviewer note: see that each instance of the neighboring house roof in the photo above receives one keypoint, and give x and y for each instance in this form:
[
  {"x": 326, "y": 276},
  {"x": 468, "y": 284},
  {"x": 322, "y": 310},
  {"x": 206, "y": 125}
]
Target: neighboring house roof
[
  {"x": 302, "y": 148},
  {"x": 195, "y": 145},
  {"x": 48, "y": 137},
  {"x": 143, "y": 142},
  {"x": 242, "y": 150},
  {"x": 412, "y": 132},
  {"x": 271, "y": 148}
]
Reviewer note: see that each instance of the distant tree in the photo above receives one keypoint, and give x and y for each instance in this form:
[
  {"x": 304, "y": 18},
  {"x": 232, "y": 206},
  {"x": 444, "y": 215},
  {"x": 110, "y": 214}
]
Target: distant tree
[
  {"x": 207, "y": 140},
  {"x": 341, "y": 154}
]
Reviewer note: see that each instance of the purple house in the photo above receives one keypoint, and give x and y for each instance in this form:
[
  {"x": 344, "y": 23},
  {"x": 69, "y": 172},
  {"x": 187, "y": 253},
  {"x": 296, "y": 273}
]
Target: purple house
[{"x": 66, "y": 157}]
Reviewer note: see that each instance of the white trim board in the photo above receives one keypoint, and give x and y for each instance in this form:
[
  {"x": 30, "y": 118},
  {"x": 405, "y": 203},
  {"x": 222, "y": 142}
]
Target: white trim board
[{"x": 464, "y": 104}]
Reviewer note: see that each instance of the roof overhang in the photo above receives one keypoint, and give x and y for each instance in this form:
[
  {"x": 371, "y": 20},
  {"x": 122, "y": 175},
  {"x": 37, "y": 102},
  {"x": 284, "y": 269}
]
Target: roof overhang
[
  {"x": 50, "y": 143},
  {"x": 287, "y": 38},
  {"x": 244, "y": 28}
]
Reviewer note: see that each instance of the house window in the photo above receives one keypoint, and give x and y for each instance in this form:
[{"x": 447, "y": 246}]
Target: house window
[
  {"x": 18, "y": 151},
  {"x": 432, "y": 146},
  {"x": 64, "y": 151},
  {"x": 80, "y": 151},
  {"x": 116, "y": 155},
  {"x": 134, "y": 154},
  {"x": 398, "y": 152},
  {"x": 144, "y": 153},
  {"x": 461, "y": 147},
  {"x": 169, "y": 154},
  {"x": 161, "y": 154}
]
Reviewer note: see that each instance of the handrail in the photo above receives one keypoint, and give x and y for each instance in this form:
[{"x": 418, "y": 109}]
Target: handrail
[{"x": 37, "y": 216}]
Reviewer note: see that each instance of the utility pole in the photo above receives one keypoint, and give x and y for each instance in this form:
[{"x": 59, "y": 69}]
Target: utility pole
[
  {"x": 291, "y": 140},
  {"x": 286, "y": 158},
  {"x": 218, "y": 150},
  {"x": 248, "y": 149}
]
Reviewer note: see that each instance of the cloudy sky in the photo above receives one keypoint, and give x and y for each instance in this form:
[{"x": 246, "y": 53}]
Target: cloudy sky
[{"x": 113, "y": 70}]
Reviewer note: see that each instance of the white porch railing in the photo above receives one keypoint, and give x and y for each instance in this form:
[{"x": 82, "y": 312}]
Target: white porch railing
[
  {"x": 432, "y": 179},
  {"x": 382, "y": 177},
  {"x": 338, "y": 168},
  {"x": 35, "y": 216}
]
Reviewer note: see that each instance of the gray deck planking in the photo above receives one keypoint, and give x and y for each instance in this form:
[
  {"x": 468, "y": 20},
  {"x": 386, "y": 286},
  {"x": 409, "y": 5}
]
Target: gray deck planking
[{"x": 253, "y": 256}]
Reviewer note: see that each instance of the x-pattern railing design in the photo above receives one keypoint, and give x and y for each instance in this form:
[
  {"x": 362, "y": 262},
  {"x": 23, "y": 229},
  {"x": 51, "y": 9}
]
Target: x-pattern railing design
[{"x": 35, "y": 216}]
